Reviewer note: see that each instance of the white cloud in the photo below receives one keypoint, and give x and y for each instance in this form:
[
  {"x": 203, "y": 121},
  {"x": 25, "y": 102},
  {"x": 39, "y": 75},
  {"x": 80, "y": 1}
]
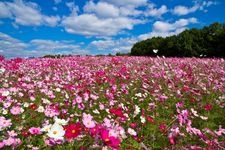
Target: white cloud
[
  {"x": 53, "y": 45},
  {"x": 57, "y": 1},
  {"x": 101, "y": 19},
  {"x": 103, "y": 44},
  {"x": 51, "y": 20},
  {"x": 26, "y": 13},
  {"x": 4, "y": 11},
  {"x": 123, "y": 45},
  {"x": 127, "y": 2},
  {"x": 209, "y": 3},
  {"x": 109, "y": 10},
  {"x": 73, "y": 8},
  {"x": 12, "y": 47},
  {"x": 102, "y": 9},
  {"x": 91, "y": 25},
  {"x": 130, "y": 10},
  {"x": 161, "y": 26},
  {"x": 154, "y": 12},
  {"x": 181, "y": 10},
  {"x": 164, "y": 29}
]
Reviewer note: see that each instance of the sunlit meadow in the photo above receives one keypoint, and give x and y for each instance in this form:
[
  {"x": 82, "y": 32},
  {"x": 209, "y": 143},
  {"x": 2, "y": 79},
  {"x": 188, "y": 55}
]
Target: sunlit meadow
[{"x": 112, "y": 103}]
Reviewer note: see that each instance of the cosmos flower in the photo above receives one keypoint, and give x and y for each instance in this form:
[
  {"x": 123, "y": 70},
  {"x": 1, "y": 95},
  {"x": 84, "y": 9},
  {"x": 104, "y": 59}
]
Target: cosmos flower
[
  {"x": 88, "y": 121},
  {"x": 60, "y": 121},
  {"x": 56, "y": 132},
  {"x": 109, "y": 140},
  {"x": 5, "y": 93},
  {"x": 16, "y": 110},
  {"x": 4, "y": 123},
  {"x": 132, "y": 132},
  {"x": 2, "y": 70},
  {"x": 46, "y": 128},
  {"x": 72, "y": 130},
  {"x": 35, "y": 130},
  {"x": 117, "y": 111}
]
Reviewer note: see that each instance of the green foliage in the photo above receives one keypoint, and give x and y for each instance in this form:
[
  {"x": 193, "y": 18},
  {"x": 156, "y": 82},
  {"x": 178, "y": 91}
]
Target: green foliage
[{"x": 206, "y": 42}]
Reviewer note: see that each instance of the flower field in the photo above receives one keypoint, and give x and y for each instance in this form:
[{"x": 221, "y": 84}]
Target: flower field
[{"x": 112, "y": 103}]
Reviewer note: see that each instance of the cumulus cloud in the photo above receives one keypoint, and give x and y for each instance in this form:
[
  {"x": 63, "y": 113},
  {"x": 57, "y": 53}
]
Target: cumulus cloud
[
  {"x": 4, "y": 11},
  {"x": 103, "y": 18},
  {"x": 164, "y": 29},
  {"x": 135, "y": 3},
  {"x": 181, "y": 10},
  {"x": 12, "y": 47},
  {"x": 123, "y": 45},
  {"x": 26, "y": 13},
  {"x": 108, "y": 9},
  {"x": 156, "y": 12},
  {"x": 161, "y": 26},
  {"x": 91, "y": 25},
  {"x": 51, "y": 45}
]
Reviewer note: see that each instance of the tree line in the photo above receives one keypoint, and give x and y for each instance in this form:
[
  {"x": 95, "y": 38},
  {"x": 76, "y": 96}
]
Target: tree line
[{"x": 206, "y": 42}]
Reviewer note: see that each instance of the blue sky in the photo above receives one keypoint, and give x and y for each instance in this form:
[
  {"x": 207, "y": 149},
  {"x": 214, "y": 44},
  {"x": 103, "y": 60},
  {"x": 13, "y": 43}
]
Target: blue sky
[{"x": 41, "y": 27}]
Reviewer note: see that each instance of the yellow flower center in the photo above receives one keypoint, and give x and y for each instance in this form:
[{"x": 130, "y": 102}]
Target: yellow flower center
[
  {"x": 73, "y": 131},
  {"x": 106, "y": 140},
  {"x": 55, "y": 132}
]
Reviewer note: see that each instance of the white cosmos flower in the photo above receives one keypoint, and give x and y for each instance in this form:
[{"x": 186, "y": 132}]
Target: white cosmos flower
[
  {"x": 5, "y": 93},
  {"x": 60, "y": 121},
  {"x": 137, "y": 110},
  {"x": 57, "y": 89},
  {"x": 143, "y": 120},
  {"x": 46, "y": 128},
  {"x": 138, "y": 95},
  {"x": 4, "y": 111},
  {"x": 132, "y": 132},
  {"x": 96, "y": 111},
  {"x": 194, "y": 112},
  {"x": 26, "y": 104},
  {"x": 203, "y": 118},
  {"x": 56, "y": 132},
  {"x": 2, "y": 70},
  {"x": 40, "y": 109}
]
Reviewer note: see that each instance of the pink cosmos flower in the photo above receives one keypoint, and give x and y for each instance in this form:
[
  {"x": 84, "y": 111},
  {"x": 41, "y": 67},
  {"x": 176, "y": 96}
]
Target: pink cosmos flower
[
  {"x": 78, "y": 99},
  {"x": 4, "y": 122},
  {"x": 35, "y": 148},
  {"x": 12, "y": 133},
  {"x": 88, "y": 123},
  {"x": 107, "y": 122},
  {"x": 2, "y": 145},
  {"x": 101, "y": 106},
  {"x": 7, "y": 104},
  {"x": 35, "y": 130},
  {"x": 16, "y": 110},
  {"x": 9, "y": 141}
]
